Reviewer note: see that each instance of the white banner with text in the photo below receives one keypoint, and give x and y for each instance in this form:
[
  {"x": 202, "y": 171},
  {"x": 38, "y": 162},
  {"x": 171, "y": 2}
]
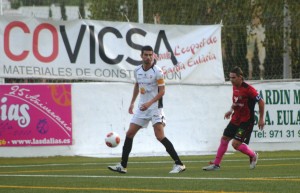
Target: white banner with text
[
  {"x": 107, "y": 51},
  {"x": 282, "y": 112}
]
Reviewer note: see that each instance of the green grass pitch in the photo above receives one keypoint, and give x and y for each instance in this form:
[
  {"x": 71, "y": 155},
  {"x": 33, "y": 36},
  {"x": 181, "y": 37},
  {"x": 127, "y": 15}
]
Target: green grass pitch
[{"x": 276, "y": 172}]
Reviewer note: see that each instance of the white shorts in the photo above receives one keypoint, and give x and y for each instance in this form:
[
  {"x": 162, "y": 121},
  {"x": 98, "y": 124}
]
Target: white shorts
[{"x": 143, "y": 118}]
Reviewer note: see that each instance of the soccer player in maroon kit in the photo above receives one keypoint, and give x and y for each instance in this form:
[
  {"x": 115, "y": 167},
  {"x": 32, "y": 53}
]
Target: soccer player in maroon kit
[{"x": 242, "y": 120}]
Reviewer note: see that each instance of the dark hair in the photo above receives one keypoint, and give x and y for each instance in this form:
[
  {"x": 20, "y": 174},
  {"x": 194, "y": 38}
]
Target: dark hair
[
  {"x": 146, "y": 48},
  {"x": 237, "y": 70}
]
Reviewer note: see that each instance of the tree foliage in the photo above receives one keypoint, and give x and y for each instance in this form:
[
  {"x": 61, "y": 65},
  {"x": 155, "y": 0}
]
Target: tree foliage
[{"x": 235, "y": 15}]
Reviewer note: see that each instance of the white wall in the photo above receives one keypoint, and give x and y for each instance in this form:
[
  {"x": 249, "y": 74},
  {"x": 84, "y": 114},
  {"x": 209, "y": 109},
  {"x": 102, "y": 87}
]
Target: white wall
[{"x": 195, "y": 122}]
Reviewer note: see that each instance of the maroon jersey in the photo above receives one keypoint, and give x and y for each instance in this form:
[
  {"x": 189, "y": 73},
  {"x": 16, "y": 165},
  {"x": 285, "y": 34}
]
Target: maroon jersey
[{"x": 244, "y": 99}]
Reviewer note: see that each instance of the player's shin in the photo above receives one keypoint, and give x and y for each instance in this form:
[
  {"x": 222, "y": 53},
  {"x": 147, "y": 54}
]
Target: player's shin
[
  {"x": 221, "y": 151},
  {"x": 245, "y": 149},
  {"x": 170, "y": 149},
  {"x": 126, "y": 151}
]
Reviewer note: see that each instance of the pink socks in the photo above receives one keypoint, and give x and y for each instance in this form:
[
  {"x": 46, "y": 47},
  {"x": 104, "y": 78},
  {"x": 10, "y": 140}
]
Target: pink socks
[
  {"x": 223, "y": 148},
  {"x": 246, "y": 150},
  {"x": 221, "y": 151}
]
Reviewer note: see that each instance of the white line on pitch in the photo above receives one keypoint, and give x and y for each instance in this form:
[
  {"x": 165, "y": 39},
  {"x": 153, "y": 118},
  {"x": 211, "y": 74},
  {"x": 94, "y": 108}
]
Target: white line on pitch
[
  {"x": 150, "y": 177},
  {"x": 140, "y": 162}
]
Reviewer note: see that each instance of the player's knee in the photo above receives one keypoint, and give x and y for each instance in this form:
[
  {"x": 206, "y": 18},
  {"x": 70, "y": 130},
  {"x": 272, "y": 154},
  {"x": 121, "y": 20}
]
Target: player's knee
[
  {"x": 226, "y": 138},
  {"x": 159, "y": 137},
  {"x": 235, "y": 144},
  {"x": 130, "y": 134},
  {"x": 159, "y": 134}
]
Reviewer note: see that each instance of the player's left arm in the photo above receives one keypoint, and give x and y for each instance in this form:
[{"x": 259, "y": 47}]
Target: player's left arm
[
  {"x": 261, "y": 107},
  {"x": 161, "y": 92}
]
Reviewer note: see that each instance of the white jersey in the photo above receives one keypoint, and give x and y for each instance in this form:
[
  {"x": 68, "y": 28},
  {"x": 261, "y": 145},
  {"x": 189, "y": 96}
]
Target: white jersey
[{"x": 148, "y": 82}]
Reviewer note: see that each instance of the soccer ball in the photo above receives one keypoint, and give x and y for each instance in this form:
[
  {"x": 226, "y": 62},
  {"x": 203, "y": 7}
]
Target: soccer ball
[{"x": 112, "y": 139}]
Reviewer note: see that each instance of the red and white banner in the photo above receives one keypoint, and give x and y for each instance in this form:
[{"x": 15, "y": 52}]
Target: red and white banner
[
  {"x": 107, "y": 51},
  {"x": 35, "y": 115}
]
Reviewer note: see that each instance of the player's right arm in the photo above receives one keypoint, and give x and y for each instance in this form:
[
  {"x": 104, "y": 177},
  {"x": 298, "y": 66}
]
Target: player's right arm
[
  {"x": 228, "y": 113},
  {"x": 134, "y": 96}
]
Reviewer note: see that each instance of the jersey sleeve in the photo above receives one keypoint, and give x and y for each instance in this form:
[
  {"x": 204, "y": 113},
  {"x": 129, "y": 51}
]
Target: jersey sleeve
[
  {"x": 160, "y": 77},
  {"x": 254, "y": 94}
]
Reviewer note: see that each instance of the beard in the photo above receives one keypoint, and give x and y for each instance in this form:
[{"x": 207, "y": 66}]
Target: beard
[{"x": 147, "y": 61}]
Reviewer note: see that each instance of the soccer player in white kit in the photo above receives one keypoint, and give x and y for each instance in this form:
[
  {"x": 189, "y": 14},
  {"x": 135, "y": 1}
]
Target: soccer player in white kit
[{"x": 151, "y": 87}]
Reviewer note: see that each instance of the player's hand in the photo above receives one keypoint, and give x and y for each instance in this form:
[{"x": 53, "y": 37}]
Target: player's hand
[
  {"x": 227, "y": 115},
  {"x": 145, "y": 106},
  {"x": 130, "y": 110},
  {"x": 261, "y": 124}
]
